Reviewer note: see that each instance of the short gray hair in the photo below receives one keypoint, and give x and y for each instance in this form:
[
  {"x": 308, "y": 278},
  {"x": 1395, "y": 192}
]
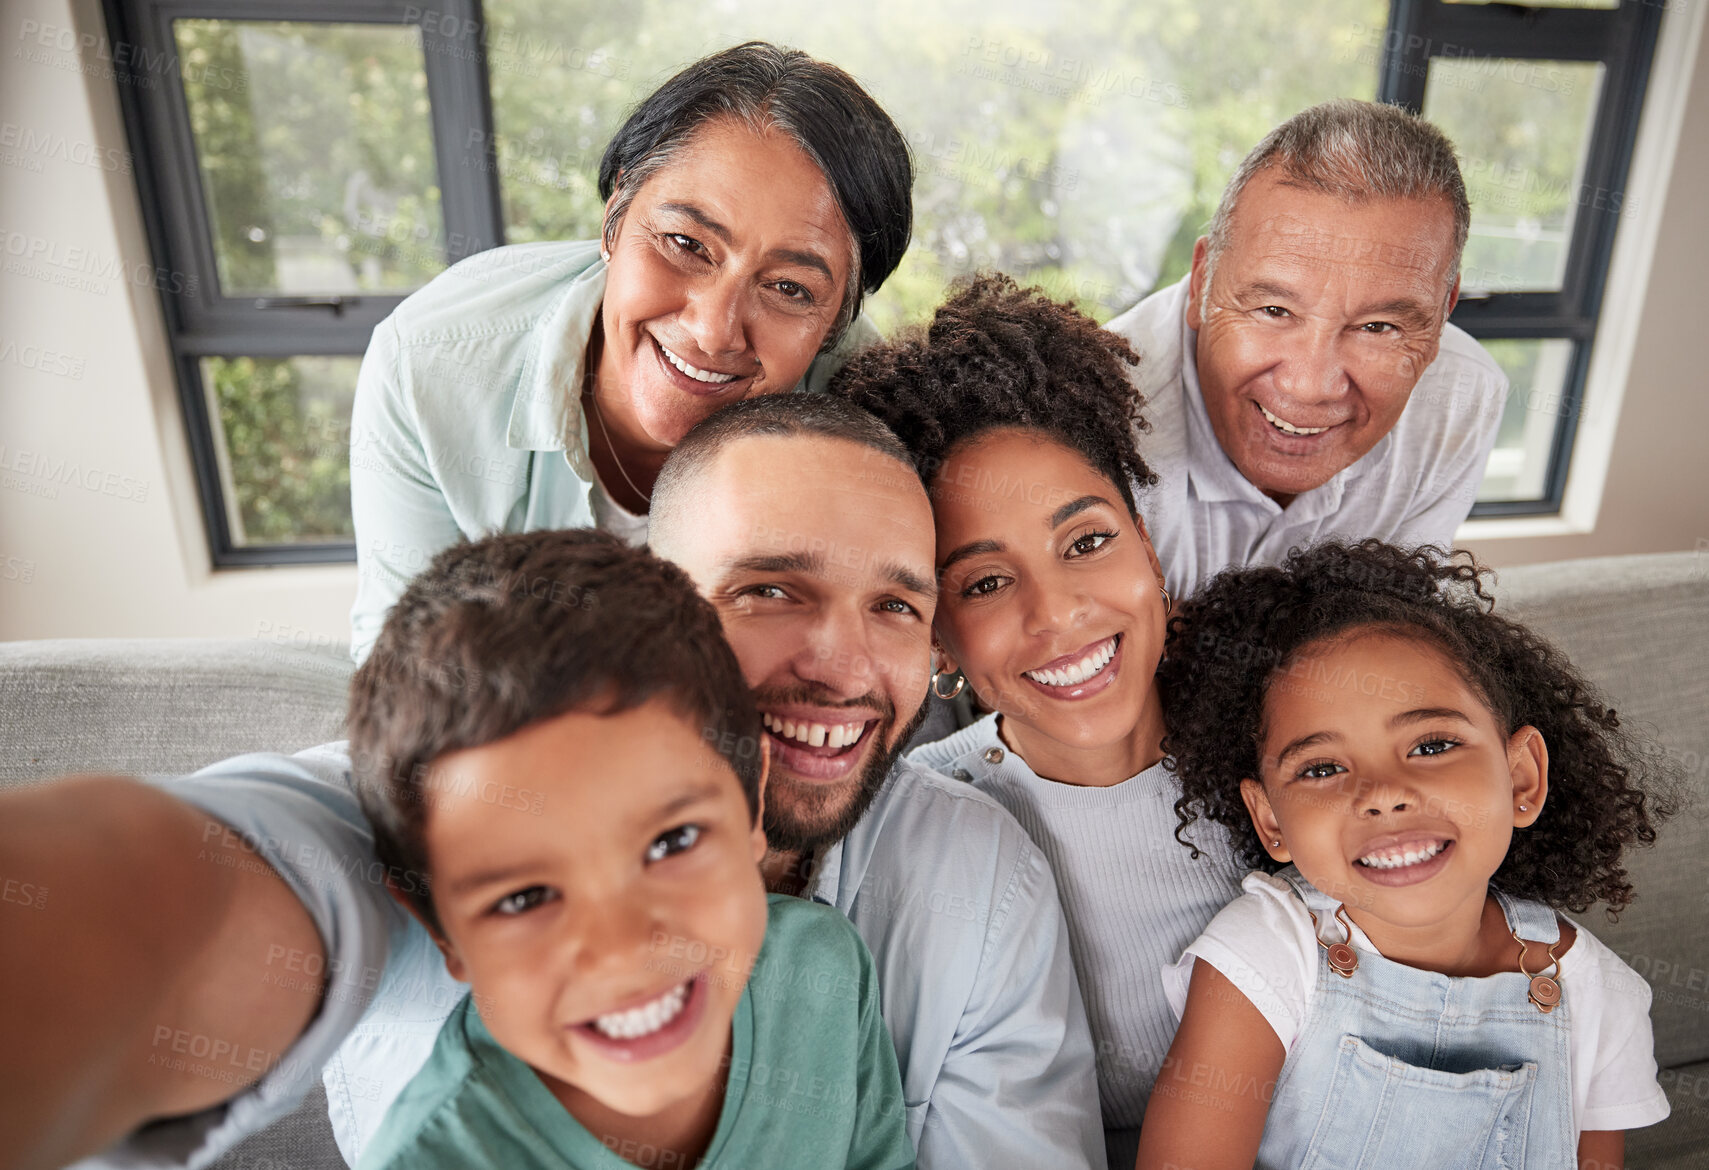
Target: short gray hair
[{"x": 1354, "y": 150}]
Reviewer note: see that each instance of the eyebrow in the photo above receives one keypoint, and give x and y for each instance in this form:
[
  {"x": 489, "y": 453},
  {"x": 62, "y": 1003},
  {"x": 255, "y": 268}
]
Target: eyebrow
[
  {"x": 497, "y": 875},
  {"x": 1409, "y": 311},
  {"x": 1425, "y": 714},
  {"x": 812, "y": 564},
  {"x": 789, "y": 255},
  {"x": 1303, "y": 742},
  {"x": 973, "y": 548},
  {"x": 977, "y": 548},
  {"x": 1074, "y": 507},
  {"x": 1268, "y": 288}
]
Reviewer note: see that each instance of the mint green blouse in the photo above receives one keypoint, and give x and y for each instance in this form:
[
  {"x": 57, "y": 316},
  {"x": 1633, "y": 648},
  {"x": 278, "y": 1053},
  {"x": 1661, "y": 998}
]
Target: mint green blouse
[{"x": 467, "y": 419}]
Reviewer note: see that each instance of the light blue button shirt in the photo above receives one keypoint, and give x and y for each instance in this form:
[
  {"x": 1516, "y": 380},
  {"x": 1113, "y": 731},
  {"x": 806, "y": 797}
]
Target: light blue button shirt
[
  {"x": 468, "y": 418},
  {"x": 953, "y": 899}
]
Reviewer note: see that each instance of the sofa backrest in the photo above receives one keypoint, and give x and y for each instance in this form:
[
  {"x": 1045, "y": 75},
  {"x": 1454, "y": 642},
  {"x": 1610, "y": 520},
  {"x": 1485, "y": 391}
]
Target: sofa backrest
[
  {"x": 148, "y": 706},
  {"x": 1638, "y": 628}
]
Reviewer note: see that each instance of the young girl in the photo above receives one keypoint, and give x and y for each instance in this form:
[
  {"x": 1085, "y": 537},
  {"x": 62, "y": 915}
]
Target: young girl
[
  {"x": 1422, "y": 784},
  {"x": 1051, "y": 611}
]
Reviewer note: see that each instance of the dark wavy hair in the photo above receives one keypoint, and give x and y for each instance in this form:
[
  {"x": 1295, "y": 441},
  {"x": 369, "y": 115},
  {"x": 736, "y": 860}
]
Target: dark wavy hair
[
  {"x": 862, "y": 153},
  {"x": 998, "y": 355},
  {"x": 1227, "y": 645},
  {"x": 501, "y": 633}
]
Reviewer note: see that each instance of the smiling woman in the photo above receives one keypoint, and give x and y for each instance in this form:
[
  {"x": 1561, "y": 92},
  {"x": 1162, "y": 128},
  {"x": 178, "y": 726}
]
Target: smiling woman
[{"x": 751, "y": 201}]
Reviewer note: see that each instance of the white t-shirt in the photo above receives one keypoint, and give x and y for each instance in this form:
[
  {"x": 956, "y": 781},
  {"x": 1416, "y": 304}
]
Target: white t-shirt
[{"x": 1262, "y": 942}]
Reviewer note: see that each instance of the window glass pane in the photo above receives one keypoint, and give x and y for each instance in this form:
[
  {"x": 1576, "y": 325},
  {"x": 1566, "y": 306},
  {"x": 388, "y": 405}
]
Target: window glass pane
[
  {"x": 316, "y": 155},
  {"x": 282, "y": 435},
  {"x": 1082, "y": 146},
  {"x": 1537, "y": 373},
  {"x": 1523, "y": 131}
]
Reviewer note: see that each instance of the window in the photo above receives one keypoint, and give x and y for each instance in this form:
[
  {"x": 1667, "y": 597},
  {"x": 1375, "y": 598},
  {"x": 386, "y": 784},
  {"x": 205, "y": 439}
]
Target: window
[
  {"x": 313, "y": 162},
  {"x": 1542, "y": 100},
  {"x": 307, "y": 166}
]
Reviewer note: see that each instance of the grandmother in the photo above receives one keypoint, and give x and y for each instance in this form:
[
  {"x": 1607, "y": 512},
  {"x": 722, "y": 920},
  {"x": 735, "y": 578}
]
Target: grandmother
[{"x": 750, "y": 202}]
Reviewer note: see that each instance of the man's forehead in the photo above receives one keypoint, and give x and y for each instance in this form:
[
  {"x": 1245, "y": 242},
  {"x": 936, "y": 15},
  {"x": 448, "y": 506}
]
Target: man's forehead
[{"x": 774, "y": 494}]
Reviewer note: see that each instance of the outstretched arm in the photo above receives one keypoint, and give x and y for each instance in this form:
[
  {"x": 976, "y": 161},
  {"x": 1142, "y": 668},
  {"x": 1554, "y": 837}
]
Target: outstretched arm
[
  {"x": 1208, "y": 1108},
  {"x": 137, "y": 971}
]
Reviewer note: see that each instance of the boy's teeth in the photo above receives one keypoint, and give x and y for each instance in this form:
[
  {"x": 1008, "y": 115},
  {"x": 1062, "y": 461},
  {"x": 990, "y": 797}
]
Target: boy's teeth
[
  {"x": 1290, "y": 428},
  {"x": 1399, "y": 858},
  {"x": 695, "y": 372},
  {"x": 646, "y": 1019},
  {"x": 837, "y": 735},
  {"x": 1077, "y": 673}
]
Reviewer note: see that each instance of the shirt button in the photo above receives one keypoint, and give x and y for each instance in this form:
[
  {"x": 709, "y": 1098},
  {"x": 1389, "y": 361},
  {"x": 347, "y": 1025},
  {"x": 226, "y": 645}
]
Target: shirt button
[
  {"x": 964, "y": 775},
  {"x": 994, "y": 755}
]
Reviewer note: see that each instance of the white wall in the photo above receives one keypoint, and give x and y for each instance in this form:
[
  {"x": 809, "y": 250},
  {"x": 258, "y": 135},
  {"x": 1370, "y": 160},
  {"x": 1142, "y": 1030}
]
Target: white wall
[{"x": 100, "y": 532}]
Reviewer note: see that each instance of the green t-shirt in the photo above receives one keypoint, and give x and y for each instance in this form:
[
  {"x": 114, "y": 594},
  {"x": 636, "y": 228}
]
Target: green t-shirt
[{"x": 813, "y": 1078}]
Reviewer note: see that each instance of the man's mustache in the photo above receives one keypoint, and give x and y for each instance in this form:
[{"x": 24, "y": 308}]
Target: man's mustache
[{"x": 807, "y": 694}]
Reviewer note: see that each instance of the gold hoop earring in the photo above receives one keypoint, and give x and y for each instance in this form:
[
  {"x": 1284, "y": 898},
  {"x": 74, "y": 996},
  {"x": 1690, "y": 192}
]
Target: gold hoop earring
[
  {"x": 960, "y": 681},
  {"x": 1168, "y": 602}
]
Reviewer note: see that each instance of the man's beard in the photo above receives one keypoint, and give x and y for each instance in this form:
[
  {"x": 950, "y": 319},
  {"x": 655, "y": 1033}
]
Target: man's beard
[{"x": 800, "y": 817}]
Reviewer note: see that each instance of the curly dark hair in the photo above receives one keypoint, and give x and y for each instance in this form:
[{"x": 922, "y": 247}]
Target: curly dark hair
[
  {"x": 997, "y": 355},
  {"x": 1228, "y": 644}
]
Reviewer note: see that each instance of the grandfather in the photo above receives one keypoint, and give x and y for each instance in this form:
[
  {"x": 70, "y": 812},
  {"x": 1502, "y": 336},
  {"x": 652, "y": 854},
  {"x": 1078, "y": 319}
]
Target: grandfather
[
  {"x": 1303, "y": 381},
  {"x": 197, "y": 915}
]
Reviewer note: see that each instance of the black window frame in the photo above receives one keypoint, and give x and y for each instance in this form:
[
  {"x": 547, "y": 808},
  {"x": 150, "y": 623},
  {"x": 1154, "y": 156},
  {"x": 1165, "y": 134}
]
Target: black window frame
[
  {"x": 1623, "y": 40},
  {"x": 202, "y": 323}
]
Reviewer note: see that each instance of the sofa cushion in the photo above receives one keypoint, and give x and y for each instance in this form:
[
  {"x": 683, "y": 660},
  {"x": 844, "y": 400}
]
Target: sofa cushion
[
  {"x": 1682, "y": 1141},
  {"x": 1638, "y": 628},
  {"x": 153, "y": 706}
]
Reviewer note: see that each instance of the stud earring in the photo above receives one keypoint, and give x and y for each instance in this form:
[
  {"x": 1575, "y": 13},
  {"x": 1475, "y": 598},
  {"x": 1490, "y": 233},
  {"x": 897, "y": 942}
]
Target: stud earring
[
  {"x": 1523, "y": 808},
  {"x": 1277, "y": 843}
]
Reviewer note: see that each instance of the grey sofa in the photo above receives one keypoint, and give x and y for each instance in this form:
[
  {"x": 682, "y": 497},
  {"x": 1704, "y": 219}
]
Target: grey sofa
[{"x": 1638, "y": 626}]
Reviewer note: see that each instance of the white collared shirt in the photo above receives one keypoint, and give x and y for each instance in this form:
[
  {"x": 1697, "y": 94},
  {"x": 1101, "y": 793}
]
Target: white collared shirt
[{"x": 1414, "y": 487}]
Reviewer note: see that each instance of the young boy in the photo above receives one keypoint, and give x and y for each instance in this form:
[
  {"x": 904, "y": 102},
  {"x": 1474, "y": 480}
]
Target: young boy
[{"x": 555, "y": 745}]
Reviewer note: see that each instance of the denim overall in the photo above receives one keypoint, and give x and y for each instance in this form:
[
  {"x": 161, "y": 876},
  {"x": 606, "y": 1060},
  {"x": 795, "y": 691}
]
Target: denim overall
[{"x": 1397, "y": 1067}]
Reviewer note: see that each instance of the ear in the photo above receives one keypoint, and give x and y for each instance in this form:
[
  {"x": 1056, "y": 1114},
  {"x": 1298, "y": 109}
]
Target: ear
[
  {"x": 447, "y": 950},
  {"x": 1453, "y": 296},
  {"x": 1264, "y": 820},
  {"x": 943, "y": 660},
  {"x": 605, "y": 213},
  {"x": 1528, "y": 764},
  {"x": 1196, "y": 283},
  {"x": 757, "y": 842}
]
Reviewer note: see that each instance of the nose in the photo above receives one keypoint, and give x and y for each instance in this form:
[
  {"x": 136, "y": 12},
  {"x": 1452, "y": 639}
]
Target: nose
[
  {"x": 615, "y": 934},
  {"x": 1311, "y": 370},
  {"x": 837, "y": 653},
  {"x": 1377, "y": 796},
  {"x": 714, "y": 316},
  {"x": 1055, "y": 605}
]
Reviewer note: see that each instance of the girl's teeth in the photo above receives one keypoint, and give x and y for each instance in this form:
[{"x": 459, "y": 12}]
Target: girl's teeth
[
  {"x": 646, "y": 1019},
  {"x": 695, "y": 372},
  {"x": 1079, "y": 672},
  {"x": 1398, "y": 859},
  {"x": 837, "y": 735}
]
